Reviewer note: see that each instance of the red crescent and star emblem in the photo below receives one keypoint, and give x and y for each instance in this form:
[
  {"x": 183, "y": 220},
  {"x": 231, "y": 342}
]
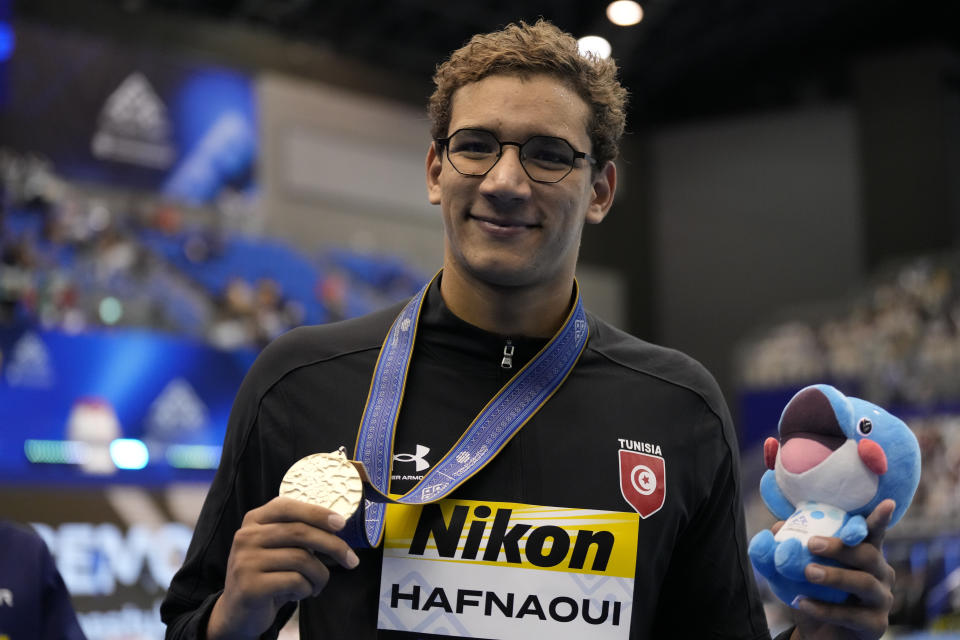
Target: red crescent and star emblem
[{"x": 643, "y": 481}]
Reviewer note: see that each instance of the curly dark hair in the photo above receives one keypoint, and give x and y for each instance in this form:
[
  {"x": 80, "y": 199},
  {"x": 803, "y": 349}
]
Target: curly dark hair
[{"x": 524, "y": 49}]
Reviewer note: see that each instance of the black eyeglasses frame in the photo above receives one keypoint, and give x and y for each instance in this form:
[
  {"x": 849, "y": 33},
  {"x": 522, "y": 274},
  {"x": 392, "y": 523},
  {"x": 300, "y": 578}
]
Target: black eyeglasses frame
[{"x": 444, "y": 143}]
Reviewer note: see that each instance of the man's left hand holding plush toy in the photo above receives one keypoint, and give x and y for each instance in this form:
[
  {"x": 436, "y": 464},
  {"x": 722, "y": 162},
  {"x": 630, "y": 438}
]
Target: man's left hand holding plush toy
[
  {"x": 843, "y": 471},
  {"x": 867, "y": 576}
]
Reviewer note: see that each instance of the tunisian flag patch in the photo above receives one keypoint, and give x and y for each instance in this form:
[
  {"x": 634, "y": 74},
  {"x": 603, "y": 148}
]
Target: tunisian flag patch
[{"x": 643, "y": 481}]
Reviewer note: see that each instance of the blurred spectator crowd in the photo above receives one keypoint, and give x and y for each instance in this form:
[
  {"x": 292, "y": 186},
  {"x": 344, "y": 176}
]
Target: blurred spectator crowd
[
  {"x": 73, "y": 261},
  {"x": 896, "y": 344},
  {"x": 938, "y": 496}
]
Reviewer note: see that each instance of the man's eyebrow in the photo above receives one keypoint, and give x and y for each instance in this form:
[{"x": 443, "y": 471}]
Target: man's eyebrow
[
  {"x": 526, "y": 136},
  {"x": 476, "y": 127}
]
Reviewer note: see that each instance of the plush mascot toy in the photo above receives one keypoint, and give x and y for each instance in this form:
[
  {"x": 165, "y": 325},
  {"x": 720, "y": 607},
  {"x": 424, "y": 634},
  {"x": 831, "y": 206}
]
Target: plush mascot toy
[{"x": 836, "y": 460}]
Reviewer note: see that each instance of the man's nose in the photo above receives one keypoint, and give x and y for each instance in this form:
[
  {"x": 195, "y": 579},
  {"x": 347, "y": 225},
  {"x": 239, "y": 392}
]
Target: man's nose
[{"x": 507, "y": 180}]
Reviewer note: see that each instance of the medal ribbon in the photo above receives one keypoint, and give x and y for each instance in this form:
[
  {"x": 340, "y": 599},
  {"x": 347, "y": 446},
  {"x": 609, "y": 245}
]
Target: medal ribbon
[{"x": 503, "y": 417}]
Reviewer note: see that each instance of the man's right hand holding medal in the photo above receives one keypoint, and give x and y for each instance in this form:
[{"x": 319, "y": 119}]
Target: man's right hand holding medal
[
  {"x": 276, "y": 558},
  {"x": 277, "y": 554}
]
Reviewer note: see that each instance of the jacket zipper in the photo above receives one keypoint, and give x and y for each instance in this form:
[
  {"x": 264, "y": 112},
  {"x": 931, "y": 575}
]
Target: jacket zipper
[{"x": 507, "y": 361}]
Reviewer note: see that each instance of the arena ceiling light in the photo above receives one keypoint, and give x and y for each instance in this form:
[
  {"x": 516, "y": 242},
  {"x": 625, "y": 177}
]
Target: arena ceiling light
[
  {"x": 594, "y": 45},
  {"x": 624, "y": 13}
]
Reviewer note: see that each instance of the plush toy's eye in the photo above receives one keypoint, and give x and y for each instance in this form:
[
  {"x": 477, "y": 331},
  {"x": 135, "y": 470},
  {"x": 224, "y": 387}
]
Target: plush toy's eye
[{"x": 865, "y": 426}]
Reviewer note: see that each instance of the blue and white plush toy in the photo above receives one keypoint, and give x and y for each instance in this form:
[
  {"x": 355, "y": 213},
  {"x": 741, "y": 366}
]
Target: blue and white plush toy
[{"x": 837, "y": 459}]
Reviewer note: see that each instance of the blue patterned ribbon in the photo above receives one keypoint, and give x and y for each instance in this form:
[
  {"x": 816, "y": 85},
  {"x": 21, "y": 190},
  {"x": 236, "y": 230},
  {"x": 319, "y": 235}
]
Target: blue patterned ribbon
[{"x": 503, "y": 417}]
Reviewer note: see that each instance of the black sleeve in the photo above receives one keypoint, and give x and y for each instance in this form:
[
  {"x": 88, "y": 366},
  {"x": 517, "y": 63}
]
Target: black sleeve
[
  {"x": 58, "y": 618},
  {"x": 710, "y": 591},
  {"x": 254, "y": 448}
]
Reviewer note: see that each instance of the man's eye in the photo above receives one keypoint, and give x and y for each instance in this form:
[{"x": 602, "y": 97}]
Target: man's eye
[
  {"x": 473, "y": 144},
  {"x": 546, "y": 155},
  {"x": 549, "y": 155},
  {"x": 472, "y": 147}
]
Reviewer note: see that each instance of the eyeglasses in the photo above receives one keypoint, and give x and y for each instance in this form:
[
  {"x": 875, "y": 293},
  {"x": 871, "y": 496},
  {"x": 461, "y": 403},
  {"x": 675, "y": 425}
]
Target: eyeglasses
[{"x": 474, "y": 152}]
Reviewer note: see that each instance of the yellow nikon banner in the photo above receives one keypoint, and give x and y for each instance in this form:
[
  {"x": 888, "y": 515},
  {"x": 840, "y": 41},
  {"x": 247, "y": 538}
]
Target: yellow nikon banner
[{"x": 507, "y": 570}]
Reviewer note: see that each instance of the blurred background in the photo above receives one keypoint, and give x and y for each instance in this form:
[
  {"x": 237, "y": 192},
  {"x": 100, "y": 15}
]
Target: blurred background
[{"x": 183, "y": 180}]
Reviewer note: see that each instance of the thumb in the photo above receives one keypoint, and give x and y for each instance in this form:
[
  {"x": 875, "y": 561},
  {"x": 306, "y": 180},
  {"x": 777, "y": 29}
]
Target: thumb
[{"x": 878, "y": 521}]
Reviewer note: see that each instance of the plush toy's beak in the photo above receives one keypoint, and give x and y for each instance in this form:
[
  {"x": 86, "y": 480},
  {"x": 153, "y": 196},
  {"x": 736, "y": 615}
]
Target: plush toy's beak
[
  {"x": 809, "y": 431},
  {"x": 873, "y": 456}
]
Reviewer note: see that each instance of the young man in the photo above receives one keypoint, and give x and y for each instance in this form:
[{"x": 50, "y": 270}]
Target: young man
[{"x": 614, "y": 511}]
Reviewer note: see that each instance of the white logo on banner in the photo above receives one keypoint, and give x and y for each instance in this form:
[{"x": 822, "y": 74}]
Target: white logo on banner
[
  {"x": 178, "y": 408},
  {"x": 30, "y": 363},
  {"x": 98, "y": 559},
  {"x": 134, "y": 126}
]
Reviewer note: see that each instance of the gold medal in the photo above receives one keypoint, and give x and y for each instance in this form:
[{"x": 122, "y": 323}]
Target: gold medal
[{"x": 327, "y": 480}]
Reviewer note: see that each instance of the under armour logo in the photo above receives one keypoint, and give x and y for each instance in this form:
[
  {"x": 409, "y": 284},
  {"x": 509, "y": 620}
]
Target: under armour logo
[
  {"x": 417, "y": 457},
  {"x": 6, "y": 597}
]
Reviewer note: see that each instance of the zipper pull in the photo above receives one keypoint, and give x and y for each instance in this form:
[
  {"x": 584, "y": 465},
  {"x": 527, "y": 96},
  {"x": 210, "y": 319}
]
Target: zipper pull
[{"x": 507, "y": 361}]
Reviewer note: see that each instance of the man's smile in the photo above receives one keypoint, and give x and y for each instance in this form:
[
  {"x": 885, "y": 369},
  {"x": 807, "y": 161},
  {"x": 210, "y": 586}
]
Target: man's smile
[{"x": 502, "y": 226}]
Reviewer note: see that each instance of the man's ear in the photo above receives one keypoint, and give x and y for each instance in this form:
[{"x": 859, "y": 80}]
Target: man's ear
[
  {"x": 434, "y": 164},
  {"x": 604, "y": 187}
]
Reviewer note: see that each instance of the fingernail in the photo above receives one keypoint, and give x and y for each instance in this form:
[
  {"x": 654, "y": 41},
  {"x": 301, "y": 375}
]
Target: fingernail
[
  {"x": 351, "y": 559},
  {"x": 336, "y": 521},
  {"x": 815, "y": 574},
  {"x": 816, "y": 545}
]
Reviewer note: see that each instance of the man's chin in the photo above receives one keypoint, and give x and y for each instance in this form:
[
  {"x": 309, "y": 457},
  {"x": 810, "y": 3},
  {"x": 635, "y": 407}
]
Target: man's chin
[{"x": 503, "y": 274}]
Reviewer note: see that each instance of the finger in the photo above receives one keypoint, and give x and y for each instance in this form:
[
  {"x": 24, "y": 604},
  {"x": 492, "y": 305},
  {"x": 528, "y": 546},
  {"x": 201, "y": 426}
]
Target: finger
[
  {"x": 252, "y": 568},
  {"x": 869, "y": 589},
  {"x": 862, "y": 557},
  {"x": 278, "y": 535},
  {"x": 283, "y": 509},
  {"x": 285, "y": 586},
  {"x": 859, "y": 618},
  {"x": 777, "y": 526},
  {"x": 878, "y": 521}
]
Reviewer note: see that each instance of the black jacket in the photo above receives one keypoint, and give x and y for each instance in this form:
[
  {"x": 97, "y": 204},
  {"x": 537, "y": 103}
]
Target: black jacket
[{"x": 306, "y": 393}]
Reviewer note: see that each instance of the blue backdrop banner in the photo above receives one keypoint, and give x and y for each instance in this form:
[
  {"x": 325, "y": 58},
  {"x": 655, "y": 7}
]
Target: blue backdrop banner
[{"x": 129, "y": 405}]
